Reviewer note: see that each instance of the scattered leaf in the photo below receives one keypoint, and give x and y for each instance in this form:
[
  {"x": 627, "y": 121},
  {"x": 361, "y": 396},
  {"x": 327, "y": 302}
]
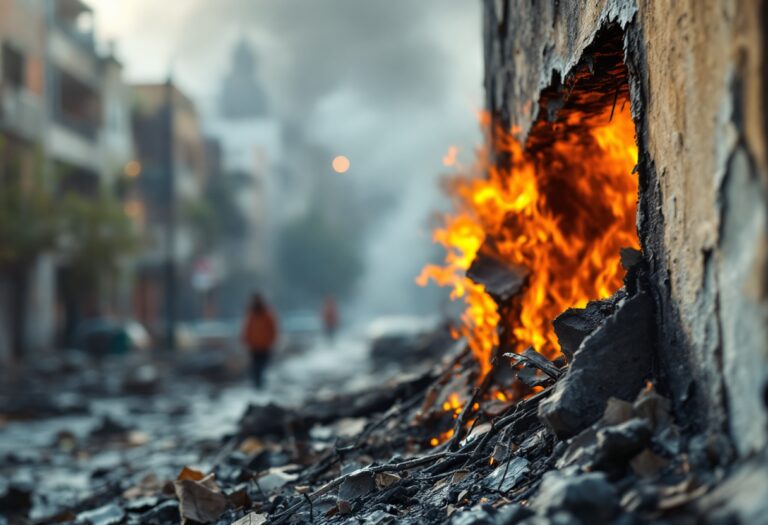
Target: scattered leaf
[
  {"x": 252, "y": 519},
  {"x": 386, "y": 479}
]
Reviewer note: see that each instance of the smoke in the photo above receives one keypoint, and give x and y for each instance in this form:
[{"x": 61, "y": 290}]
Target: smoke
[{"x": 390, "y": 84}]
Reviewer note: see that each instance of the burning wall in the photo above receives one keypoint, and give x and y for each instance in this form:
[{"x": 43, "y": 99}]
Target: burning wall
[{"x": 696, "y": 80}]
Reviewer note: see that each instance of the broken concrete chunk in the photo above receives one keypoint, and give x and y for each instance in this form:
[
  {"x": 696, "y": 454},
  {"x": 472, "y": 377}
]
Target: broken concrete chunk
[
  {"x": 617, "y": 411},
  {"x": 512, "y": 514},
  {"x": 500, "y": 279},
  {"x": 575, "y": 324},
  {"x": 262, "y": 420},
  {"x": 647, "y": 464},
  {"x": 654, "y": 408},
  {"x": 612, "y": 362},
  {"x": 618, "y": 444},
  {"x": 588, "y": 496}
]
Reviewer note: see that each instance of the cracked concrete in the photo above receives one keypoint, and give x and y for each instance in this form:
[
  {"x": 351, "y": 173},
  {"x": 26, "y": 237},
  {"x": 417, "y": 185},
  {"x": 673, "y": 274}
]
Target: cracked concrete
[{"x": 697, "y": 76}]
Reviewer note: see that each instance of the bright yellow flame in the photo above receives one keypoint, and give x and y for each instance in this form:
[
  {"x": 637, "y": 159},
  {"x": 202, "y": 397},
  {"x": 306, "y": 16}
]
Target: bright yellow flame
[
  {"x": 340, "y": 164},
  {"x": 563, "y": 213}
]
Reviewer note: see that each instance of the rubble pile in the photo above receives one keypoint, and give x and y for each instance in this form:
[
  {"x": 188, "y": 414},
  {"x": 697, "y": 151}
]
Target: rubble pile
[{"x": 589, "y": 441}]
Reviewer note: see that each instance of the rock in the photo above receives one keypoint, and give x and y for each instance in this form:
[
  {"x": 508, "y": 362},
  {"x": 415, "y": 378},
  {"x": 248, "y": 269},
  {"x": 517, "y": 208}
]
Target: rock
[
  {"x": 614, "y": 361},
  {"x": 15, "y": 499},
  {"x": 616, "y": 445},
  {"x": 474, "y": 516},
  {"x": 741, "y": 498},
  {"x": 647, "y": 464},
  {"x": 590, "y": 497},
  {"x": 654, "y": 408},
  {"x": 379, "y": 517},
  {"x": 262, "y": 420},
  {"x": 166, "y": 512},
  {"x": 512, "y": 514}
]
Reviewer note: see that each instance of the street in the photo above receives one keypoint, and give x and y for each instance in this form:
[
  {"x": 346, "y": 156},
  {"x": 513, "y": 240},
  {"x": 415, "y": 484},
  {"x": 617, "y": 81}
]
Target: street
[{"x": 131, "y": 420}]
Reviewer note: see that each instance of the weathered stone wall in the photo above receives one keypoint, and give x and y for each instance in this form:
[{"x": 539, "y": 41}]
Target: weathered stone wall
[{"x": 697, "y": 78}]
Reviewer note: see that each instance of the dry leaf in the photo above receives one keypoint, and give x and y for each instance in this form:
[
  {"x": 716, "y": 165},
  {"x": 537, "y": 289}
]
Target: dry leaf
[
  {"x": 199, "y": 503},
  {"x": 386, "y": 479},
  {"x": 191, "y": 474},
  {"x": 252, "y": 519},
  {"x": 251, "y": 446}
]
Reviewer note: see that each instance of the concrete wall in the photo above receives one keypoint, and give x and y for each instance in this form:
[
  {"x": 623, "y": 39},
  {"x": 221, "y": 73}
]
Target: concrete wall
[{"x": 697, "y": 76}]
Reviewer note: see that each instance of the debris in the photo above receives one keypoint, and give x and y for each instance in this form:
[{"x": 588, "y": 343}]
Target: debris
[
  {"x": 15, "y": 500},
  {"x": 109, "y": 514},
  {"x": 532, "y": 358},
  {"x": 575, "y": 324},
  {"x": 617, "y": 444},
  {"x": 356, "y": 486},
  {"x": 199, "y": 500},
  {"x": 589, "y": 496},
  {"x": 612, "y": 362},
  {"x": 386, "y": 479},
  {"x": 252, "y": 519},
  {"x": 263, "y": 420},
  {"x": 647, "y": 464},
  {"x": 275, "y": 478},
  {"x": 508, "y": 474},
  {"x": 501, "y": 280}
]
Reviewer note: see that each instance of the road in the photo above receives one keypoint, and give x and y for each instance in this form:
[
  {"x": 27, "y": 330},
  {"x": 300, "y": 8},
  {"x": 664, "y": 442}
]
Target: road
[{"x": 139, "y": 417}]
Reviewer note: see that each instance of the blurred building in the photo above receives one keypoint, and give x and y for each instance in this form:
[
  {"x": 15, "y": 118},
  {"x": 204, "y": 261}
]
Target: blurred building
[
  {"x": 62, "y": 104},
  {"x": 171, "y": 154},
  {"x": 251, "y": 147}
]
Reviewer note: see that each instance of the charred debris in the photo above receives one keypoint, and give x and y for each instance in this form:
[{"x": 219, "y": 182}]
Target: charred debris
[{"x": 591, "y": 440}]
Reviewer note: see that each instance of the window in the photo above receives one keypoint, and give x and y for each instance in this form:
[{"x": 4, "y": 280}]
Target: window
[{"x": 13, "y": 67}]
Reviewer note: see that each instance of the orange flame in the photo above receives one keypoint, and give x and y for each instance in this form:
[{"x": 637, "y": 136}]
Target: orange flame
[{"x": 562, "y": 211}]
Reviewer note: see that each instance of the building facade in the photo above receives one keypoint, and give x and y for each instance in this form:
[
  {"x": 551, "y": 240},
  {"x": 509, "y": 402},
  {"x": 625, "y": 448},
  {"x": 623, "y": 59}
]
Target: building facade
[{"x": 63, "y": 111}]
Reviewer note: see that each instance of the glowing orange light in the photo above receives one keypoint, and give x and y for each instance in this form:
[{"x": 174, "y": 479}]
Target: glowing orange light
[
  {"x": 563, "y": 213},
  {"x": 132, "y": 169},
  {"x": 340, "y": 164}
]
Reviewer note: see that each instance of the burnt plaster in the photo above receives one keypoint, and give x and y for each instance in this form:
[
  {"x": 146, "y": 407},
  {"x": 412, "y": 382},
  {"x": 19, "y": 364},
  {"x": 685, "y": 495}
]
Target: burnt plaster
[{"x": 695, "y": 71}]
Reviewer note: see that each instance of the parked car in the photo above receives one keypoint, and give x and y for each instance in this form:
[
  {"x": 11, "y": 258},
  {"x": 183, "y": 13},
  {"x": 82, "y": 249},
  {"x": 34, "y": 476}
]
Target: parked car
[
  {"x": 220, "y": 334},
  {"x": 299, "y": 330},
  {"x": 106, "y": 335}
]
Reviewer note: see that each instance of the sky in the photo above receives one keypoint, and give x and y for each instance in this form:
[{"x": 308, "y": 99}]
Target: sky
[{"x": 390, "y": 84}]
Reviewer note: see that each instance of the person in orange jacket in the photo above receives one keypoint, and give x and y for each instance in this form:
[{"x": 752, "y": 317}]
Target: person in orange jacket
[
  {"x": 259, "y": 336},
  {"x": 330, "y": 315}
]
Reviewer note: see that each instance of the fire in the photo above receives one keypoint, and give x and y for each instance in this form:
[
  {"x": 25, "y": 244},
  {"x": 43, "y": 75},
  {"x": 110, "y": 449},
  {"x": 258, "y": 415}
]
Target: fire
[{"x": 562, "y": 210}]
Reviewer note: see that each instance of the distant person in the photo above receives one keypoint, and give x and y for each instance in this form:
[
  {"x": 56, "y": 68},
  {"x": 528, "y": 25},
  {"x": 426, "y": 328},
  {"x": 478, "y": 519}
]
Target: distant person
[
  {"x": 259, "y": 336},
  {"x": 330, "y": 317}
]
